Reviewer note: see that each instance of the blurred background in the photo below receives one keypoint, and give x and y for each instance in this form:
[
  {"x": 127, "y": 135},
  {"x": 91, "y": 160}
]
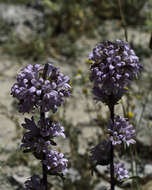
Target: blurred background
[{"x": 63, "y": 32}]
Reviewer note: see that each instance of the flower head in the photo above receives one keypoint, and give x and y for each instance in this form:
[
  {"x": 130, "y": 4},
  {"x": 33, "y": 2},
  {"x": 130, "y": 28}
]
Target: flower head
[
  {"x": 51, "y": 129},
  {"x": 38, "y": 138},
  {"x": 55, "y": 162},
  {"x": 120, "y": 171},
  {"x": 115, "y": 64},
  {"x": 121, "y": 131},
  {"x": 33, "y": 90},
  {"x": 34, "y": 183}
]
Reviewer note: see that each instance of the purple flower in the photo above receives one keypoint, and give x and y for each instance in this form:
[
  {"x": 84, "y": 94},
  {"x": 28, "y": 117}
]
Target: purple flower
[
  {"x": 55, "y": 162},
  {"x": 40, "y": 136},
  {"x": 24, "y": 90},
  {"x": 121, "y": 131},
  {"x": 100, "y": 154},
  {"x": 51, "y": 129},
  {"x": 120, "y": 171},
  {"x": 34, "y": 183},
  {"x": 114, "y": 66},
  {"x": 32, "y": 90},
  {"x": 56, "y": 88}
]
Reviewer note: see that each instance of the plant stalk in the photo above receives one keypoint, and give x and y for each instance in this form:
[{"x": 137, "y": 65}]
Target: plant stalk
[
  {"x": 111, "y": 108},
  {"x": 44, "y": 168},
  {"x": 42, "y": 117},
  {"x": 123, "y": 20}
]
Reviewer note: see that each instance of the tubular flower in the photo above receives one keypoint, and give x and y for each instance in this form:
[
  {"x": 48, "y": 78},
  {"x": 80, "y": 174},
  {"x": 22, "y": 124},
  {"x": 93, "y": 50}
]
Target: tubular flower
[
  {"x": 55, "y": 162},
  {"x": 121, "y": 131},
  {"x": 120, "y": 171},
  {"x": 114, "y": 66},
  {"x": 51, "y": 129},
  {"x": 32, "y": 90}
]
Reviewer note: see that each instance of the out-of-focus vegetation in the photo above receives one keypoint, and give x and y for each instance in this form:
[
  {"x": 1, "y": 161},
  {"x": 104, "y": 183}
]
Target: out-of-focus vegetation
[
  {"x": 17, "y": 1},
  {"x": 64, "y": 22}
]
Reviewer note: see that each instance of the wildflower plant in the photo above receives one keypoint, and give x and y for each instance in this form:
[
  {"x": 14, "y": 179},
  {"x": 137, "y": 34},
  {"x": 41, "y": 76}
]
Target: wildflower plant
[
  {"x": 114, "y": 66},
  {"x": 43, "y": 88}
]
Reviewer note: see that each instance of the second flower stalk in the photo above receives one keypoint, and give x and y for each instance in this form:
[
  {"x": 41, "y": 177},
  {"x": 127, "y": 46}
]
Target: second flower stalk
[{"x": 114, "y": 66}]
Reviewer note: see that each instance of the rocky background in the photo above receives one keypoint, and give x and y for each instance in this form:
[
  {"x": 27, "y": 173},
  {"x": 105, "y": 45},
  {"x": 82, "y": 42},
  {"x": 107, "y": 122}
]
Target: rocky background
[{"x": 64, "y": 32}]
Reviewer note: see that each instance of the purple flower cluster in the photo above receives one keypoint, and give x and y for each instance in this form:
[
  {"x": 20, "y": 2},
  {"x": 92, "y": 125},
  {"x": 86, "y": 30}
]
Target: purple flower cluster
[
  {"x": 121, "y": 131},
  {"x": 55, "y": 162},
  {"x": 32, "y": 90},
  {"x": 38, "y": 138},
  {"x": 114, "y": 66},
  {"x": 34, "y": 183},
  {"x": 42, "y": 87},
  {"x": 120, "y": 171},
  {"x": 100, "y": 154}
]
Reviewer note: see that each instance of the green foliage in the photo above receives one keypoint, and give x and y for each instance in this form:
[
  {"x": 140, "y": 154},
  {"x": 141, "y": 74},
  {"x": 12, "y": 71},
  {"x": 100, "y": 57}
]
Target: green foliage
[
  {"x": 148, "y": 23},
  {"x": 142, "y": 52},
  {"x": 19, "y": 48},
  {"x": 110, "y": 9},
  {"x": 4, "y": 27},
  {"x": 66, "y": 21},
  {"x": 17, "y": 1}
]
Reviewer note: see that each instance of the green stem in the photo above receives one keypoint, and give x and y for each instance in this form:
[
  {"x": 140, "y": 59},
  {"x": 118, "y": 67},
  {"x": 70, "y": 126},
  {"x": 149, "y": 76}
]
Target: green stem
[{"x": 123, "y": 20}]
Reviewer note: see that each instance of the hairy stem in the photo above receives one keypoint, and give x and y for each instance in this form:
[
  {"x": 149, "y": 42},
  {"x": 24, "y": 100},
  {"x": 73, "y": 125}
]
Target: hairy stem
[
  {"x": 42, "y": 117},
  {"x": 111, "y": 108}
]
